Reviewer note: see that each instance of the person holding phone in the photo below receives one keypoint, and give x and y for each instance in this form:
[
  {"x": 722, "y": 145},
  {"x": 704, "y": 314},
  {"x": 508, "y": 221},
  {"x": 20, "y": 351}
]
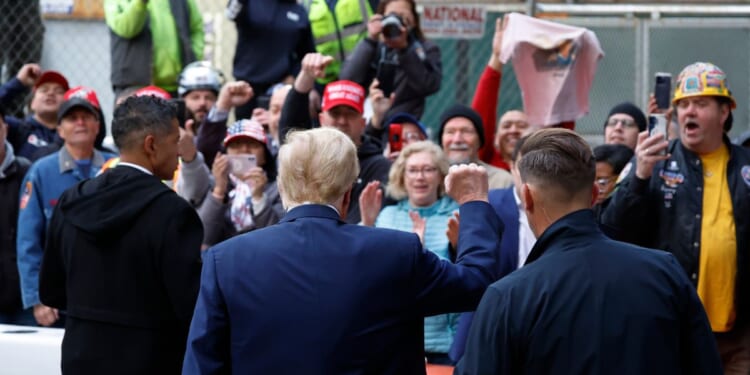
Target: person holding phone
[
  {"x": 244, "y": 195},
  {"x": 397, "y": 53},
  {"x": 403, "y": 130},
  {"x": 692, "y": 201}
]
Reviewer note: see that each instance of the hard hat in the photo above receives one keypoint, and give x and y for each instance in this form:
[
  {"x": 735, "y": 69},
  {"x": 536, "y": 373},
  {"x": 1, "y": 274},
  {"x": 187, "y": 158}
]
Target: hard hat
[
  {"x": 199, "y": 75},
  {"x": 702, "y": 79}
]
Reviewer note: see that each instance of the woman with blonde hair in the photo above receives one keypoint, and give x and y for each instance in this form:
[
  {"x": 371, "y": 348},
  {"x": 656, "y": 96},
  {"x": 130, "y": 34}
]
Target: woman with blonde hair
[{"x": 416, "y": 181}]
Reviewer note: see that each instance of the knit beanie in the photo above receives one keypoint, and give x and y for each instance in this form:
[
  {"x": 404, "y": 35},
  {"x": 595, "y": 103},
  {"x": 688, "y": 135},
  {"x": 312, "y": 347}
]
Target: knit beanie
[
  {"x": 631, "y": 110},
  {"x": 460, "y": 110}
]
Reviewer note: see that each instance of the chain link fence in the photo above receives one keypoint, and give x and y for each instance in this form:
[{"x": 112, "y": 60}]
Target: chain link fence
[
  {"x": 635, "y": 48},
  {"x": 21, "y": 33}
]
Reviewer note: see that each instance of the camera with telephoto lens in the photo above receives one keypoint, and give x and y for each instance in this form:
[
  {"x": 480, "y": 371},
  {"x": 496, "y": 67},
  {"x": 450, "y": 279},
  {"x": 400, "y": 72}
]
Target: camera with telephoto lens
[{"x": 392, "y": 24}]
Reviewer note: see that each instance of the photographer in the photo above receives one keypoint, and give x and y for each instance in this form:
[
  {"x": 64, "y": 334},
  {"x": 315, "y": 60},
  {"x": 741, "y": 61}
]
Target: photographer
[{"x": 398, "y": 55}]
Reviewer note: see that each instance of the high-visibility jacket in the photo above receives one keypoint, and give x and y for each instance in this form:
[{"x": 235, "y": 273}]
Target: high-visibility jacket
[{"x": 337, "y": 33}]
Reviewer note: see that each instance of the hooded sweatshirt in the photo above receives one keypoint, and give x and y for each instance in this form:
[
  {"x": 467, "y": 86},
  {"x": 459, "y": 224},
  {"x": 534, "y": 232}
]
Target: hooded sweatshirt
[{"x": 124, "y": 250}]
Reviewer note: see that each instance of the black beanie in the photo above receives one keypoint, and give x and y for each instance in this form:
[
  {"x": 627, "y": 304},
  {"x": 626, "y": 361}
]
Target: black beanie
[
  {"x": 460, "y": 110},
  {"x": 631, "y": 110}
]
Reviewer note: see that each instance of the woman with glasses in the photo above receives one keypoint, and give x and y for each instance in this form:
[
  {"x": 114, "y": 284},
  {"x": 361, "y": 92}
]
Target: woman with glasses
[{"x": 416, "y": 181}]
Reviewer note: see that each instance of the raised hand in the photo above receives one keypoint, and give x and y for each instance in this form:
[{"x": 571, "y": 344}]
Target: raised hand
[
  {"x": 186, "y": 144},
  {"x": 648, "y": 153},
  {"x": 234, "y": 94},
  {"x": 452, "y": 231},
  {"x": 313, "y": 66},
  {"x": 467, "y": 182},
  {"x": 219, "y": 169},
  {"x": 419, "y": 224},
  {"x": 28, "y": 74},
  {"x": 370, "y": 203}
]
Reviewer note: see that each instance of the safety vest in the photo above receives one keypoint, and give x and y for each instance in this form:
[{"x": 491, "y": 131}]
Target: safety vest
[{"x": 336, "y": 34}]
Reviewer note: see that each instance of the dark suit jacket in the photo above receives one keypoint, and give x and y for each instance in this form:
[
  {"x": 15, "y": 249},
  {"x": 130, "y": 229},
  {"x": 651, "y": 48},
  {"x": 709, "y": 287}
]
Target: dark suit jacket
[
  {"x": 314, "y": 295},
  {"x": 585, "y": 304},
  {"x": 505, "y": 206}
]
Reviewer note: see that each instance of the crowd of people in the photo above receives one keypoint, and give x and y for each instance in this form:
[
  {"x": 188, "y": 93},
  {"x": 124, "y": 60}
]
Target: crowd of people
[{"x": 306, "y": 236}]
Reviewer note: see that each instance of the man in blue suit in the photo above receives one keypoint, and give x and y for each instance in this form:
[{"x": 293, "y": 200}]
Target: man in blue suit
[
  {"x": 315, "y": 295},
  {"x": 583, "y": 303}
]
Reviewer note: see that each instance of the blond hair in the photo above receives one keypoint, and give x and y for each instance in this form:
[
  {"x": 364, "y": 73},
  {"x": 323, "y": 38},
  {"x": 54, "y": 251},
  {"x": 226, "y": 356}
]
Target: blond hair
[
  {"x": 396, "y": 187},
  {"x": 316, "y": 166}
]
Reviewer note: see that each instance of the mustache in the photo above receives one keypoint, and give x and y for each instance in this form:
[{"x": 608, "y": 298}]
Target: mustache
[{"x": 459, "y": 147}]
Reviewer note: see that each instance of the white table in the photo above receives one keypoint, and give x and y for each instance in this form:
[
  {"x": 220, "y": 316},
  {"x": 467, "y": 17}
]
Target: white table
[{"x": 29, "y": 350}]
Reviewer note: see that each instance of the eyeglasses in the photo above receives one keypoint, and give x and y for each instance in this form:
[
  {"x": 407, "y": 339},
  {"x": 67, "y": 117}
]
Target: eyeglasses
[
  {"x": 426, "y": 171},
  {"x": 626, "y": 122},
  {"x": 412, "y": 136},
  {"x": 604, "y": 181}
]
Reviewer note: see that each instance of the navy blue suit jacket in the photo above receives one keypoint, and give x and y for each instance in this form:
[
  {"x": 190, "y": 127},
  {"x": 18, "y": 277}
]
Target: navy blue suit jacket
[
  {"x": 505, "y": 207},
  {"x": 314, "y": 295},
  {"x": 585, "y": 304}
]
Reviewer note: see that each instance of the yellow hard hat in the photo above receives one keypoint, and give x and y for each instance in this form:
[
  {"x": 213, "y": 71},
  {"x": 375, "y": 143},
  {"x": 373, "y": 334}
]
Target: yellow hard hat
[{"x": 702, "y": 79}]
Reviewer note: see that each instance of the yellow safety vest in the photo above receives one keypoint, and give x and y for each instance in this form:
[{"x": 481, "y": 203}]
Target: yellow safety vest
[{"x": 336, "y": 34}]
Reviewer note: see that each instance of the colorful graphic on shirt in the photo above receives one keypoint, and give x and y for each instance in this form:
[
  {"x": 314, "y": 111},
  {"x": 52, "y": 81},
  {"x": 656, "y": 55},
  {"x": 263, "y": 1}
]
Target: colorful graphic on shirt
[
  {"x": 33, "y": 140},
  {"x": 26, "y": 195},
  {"x": 745, "y": 173},
  {"x": 560, "y": 57},
  {"x": 671, "y": 179}
]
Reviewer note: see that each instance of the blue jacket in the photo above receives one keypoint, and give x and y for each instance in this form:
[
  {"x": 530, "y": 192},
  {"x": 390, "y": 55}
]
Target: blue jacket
[
  {"x": 26, "y": 135},
  {"x": 315, "y": 295},
  {"x": 505, "y": 206},
  {"x": 586, "y": 304},
  {"x": 438, "y": 329},
  {"x": 45, "y": 181}
]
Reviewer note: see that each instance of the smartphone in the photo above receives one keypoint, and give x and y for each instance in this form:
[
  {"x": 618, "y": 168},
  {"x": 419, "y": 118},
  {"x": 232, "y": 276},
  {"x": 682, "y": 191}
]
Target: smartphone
[
  {"x": 386, "y": 76},
  {"x": 657, "y": 124},
  {"x": 181, "y": 111},
  {"x": 263, "y": 101},
  {"x": 395, "y": 137},
  {"x": 663, "y": 89},
  {"x": 240, "y": 164}
]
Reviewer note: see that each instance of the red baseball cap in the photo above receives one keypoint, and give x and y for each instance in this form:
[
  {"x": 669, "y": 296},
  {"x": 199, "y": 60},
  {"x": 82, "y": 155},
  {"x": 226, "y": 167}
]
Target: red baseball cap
[
  {"x": 79, "y": 96},
  {"x": 346, "y": 93},
  {"x": 52, "y": 76},
  {"x": 153, "y": 91}
]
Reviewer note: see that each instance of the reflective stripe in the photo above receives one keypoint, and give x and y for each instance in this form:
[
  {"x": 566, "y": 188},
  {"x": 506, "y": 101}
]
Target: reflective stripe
[
  {"x": 346, "y": 32},
  {"x": 363, "y": 9},
  {"x": 349, "y": 30}
]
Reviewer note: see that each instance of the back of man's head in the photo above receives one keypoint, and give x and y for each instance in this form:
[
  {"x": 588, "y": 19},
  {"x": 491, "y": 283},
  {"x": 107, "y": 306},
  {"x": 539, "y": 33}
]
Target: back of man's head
[
  {"x": 316, "y": 166},
  {"x": 140, "y": 115},
  {"x": 560, "y": 163}
]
